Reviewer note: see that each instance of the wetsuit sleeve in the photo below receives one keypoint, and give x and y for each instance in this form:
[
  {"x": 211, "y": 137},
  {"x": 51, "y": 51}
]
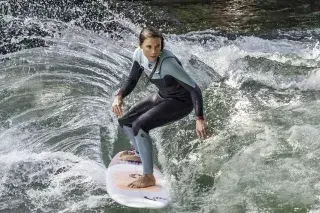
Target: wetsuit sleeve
[
  {"x": 171, "y": 67},
  {"x": 132, "y": 80}
]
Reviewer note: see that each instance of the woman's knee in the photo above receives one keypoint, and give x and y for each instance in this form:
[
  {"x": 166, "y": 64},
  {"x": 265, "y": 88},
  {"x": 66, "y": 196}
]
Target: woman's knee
[
  {"x": 137, "y": 125},
  {"x": 123, "y": 122}
]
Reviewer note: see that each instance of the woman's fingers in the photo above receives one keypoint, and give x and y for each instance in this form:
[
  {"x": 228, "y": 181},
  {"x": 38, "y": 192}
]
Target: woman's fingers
[
  {"x": 117, "y": 106},
  {"x": 201, "y": 129},
  {"x": 205, "y": 130},
  {"x": 117, "y": 110},
  {"x": 114, "y": 110},
  {"x": 198, "y": 133},
  {"x": 120, "y": 110},
  {"x": 202, "y": 132}
]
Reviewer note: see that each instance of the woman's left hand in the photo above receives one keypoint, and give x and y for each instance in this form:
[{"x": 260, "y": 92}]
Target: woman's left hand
[{"x": 201, "y": 128}]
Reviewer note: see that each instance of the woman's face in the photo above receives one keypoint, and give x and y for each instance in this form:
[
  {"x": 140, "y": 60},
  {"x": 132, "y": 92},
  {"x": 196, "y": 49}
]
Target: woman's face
[{"x": 151, "y": 48}]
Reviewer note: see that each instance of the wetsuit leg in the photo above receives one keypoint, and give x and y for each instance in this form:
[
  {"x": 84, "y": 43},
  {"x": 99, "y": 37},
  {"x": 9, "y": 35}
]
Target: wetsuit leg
[
  {"x": 138, "y": 109},
  {"x": 165, "y": 111},
  {"x": 144, "y": 144},
  {"x": 147, "y": 114},
  {"x": 126, "y": 120},
  {"x": 129, "y": 132}
]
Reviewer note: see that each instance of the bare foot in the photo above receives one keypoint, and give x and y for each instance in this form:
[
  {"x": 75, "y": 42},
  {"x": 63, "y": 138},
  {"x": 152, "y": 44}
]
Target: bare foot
[
  {"x": 143, "y": 182},
  {"x": 129, "y": 156}
]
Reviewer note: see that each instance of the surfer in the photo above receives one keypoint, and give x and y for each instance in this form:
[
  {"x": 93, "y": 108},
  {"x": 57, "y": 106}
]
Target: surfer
[{"x": 178, "y": 94}]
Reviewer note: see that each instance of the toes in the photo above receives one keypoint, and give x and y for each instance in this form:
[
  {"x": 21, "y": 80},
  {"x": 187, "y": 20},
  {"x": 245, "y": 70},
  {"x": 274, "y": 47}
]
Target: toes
[{"x": 132, "y": 185}]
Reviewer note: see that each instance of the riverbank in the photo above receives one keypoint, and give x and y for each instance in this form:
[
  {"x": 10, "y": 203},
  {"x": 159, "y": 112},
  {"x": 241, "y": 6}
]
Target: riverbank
[{"x": 244, "y": 17}]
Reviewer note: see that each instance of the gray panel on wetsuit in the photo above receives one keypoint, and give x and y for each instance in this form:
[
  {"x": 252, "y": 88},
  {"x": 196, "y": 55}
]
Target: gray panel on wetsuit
[{"x": 170, "y": 66}]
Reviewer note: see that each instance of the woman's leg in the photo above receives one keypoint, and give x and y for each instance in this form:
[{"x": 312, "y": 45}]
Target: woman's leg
[
  {"x": 129, "y": 155},
  {"x": 126, "y": 123},
  {"x": 166, "y": 111},
  {"x": 138, "y": 109}
]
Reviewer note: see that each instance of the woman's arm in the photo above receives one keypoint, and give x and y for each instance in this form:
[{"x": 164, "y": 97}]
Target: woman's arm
[
  {"x": 170, "y": 67},
  {"x": 131, "y": 82},
  {"x": 196, "y": 96},
  {"x": 127, "y": 87},
  {"x": 173, "y": 69}
]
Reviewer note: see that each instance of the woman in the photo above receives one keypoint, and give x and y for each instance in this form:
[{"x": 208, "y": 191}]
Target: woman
[{"x": 178, "y": 94}]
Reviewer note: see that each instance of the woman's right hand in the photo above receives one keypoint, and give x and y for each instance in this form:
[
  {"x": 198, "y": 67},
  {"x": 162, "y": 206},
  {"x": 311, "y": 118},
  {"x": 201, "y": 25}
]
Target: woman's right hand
[{"x": 117, "y": 106}]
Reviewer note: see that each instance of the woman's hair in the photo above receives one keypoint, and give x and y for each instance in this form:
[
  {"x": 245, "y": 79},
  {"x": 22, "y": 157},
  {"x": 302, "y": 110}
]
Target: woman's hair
[{"x": 150, "y": 32}]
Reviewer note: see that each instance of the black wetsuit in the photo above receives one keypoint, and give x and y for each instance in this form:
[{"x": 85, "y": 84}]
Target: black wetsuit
[{"x": 178, "y": 94}]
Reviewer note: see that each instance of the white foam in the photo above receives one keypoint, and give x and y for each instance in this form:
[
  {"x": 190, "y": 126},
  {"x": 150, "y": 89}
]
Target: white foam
[
  {"x": 312, "y": 81},
  {"x": 76, "y": 174}
]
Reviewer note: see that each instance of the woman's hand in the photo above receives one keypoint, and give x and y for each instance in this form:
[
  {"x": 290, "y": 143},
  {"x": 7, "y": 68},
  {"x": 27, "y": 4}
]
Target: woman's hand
[
  {"x": 117, "y": 106},
  {"x": 201, "y": 128}
]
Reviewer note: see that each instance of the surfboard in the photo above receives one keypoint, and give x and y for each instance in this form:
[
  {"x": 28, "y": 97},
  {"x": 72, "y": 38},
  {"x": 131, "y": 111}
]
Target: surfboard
[{"x": 120, "y": 173}]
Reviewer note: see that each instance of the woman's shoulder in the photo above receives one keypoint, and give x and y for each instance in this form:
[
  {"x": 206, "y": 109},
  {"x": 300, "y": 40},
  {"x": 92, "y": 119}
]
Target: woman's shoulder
[
  {"x": 137, "y": 51},
  {"x": 168, "y": 57},
  {"x": 167, "y": 53},
  {"x": 136, "y": 54}
]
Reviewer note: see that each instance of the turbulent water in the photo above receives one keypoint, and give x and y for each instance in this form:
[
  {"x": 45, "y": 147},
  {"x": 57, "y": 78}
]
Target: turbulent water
[{"x": 61, "y": 64}]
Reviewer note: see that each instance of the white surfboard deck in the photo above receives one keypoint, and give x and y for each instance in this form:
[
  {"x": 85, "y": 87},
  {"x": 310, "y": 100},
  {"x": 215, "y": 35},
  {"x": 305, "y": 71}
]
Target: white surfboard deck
[{"x": 120, "y": 173}]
